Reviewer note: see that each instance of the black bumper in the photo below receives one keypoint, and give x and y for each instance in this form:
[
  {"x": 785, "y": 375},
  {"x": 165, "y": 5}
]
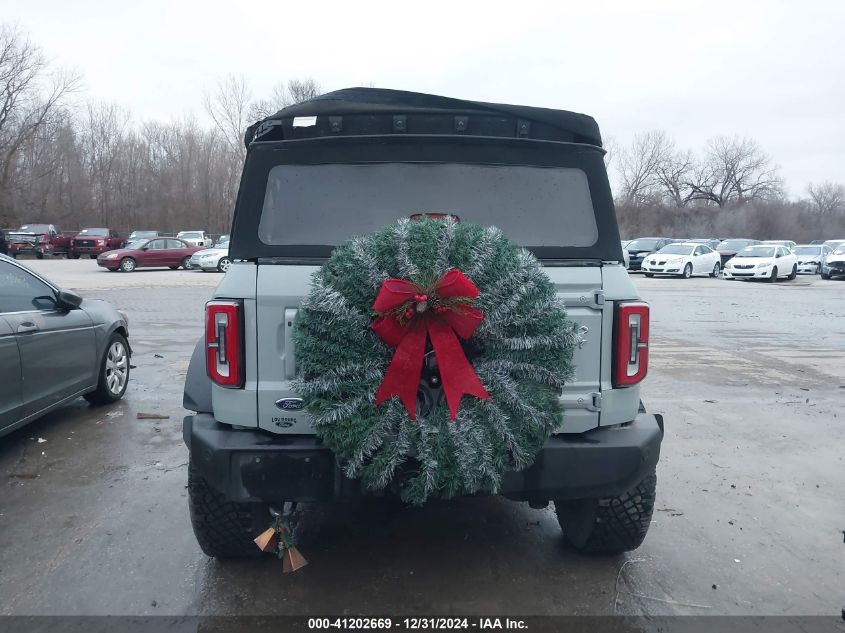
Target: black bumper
[{"x": 248, "y": 465}]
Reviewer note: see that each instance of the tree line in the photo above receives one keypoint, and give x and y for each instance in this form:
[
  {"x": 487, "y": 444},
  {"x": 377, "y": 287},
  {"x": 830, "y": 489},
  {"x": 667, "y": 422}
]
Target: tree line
[
  {"x": 731, "y": 188},
  {"x": 96, "y": 165}
]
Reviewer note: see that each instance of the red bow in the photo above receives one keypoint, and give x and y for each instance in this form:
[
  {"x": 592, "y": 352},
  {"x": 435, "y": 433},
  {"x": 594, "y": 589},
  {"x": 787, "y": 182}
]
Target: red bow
[{"x": 407, "y": 316}]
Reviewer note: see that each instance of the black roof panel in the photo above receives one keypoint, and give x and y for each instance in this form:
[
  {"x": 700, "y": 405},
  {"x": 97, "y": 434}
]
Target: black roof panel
[{"x": 358, "y": 104}]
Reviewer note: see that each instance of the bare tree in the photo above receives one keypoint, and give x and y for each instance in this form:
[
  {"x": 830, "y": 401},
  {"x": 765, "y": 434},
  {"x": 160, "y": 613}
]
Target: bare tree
[
  {"x": 826, "y": 197},
  {"x": 639, "y": 164},
  {"x": 672, "y": 175},
  {"x": 284, "y": 95},
  {"x": 29, "y": 96},
  {"x": 104, "y": 137},
  {"x": 734, "y": 171},
  {"x": 229, "y": 107}
]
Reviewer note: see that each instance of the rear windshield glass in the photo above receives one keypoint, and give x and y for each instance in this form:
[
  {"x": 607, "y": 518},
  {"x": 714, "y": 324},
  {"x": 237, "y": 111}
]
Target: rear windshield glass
[
  {"x": 757, "y": 251},
  {"x": 327, "y": 204},
  {"x": 644, "y": 244},
  {"x": 40, "y": 229},
  {"x": 732, "y": 245},
  {"x": 676, "y": 249}
]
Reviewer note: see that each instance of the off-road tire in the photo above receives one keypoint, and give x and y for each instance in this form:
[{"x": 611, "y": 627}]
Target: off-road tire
[
  {"x": 224, "y": 529},
  {"x": 102, "y": 394},
  {"x": 773, "y": 279},
  {"x": 612, "y": 525},
  {"x": 794, "y": 273},
  {"x": 128, "y": 265},
  {"x": 687, "y": 271},
  {"x": 716, "y": 270}
]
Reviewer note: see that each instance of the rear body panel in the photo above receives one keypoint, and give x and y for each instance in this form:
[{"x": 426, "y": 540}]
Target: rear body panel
[{"x": 272, "y": 294}]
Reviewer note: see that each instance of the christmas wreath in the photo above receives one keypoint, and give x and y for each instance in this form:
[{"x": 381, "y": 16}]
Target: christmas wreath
[{"x": 400, "y": 325}]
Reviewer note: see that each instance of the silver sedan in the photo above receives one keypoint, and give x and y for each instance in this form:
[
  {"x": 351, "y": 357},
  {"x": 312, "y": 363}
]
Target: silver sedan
[{"x": 55, "y": 346}]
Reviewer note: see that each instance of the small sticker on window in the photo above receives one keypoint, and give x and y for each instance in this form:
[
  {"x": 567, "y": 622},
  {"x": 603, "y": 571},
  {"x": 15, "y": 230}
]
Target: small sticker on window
[{"x": 304, "y": 121}]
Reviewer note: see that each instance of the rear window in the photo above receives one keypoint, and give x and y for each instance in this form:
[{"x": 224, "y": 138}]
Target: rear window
[
  {"x": 676, "y": 249},
  {"x": 327, "y": 204},
  {"x": 757, "y": 251}
]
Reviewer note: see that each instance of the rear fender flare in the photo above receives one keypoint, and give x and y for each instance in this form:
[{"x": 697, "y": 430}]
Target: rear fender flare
[{"x": 197, "y": 394}]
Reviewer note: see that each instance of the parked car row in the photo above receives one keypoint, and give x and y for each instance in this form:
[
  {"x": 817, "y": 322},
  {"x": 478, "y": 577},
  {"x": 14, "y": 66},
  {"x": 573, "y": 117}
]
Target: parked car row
[
  {"x": 48, "y": 240},
  {"x": 734, "y": 258}
]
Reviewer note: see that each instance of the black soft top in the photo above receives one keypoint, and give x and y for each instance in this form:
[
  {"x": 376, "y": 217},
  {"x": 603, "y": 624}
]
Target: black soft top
[{"x": 355, "y": 103}]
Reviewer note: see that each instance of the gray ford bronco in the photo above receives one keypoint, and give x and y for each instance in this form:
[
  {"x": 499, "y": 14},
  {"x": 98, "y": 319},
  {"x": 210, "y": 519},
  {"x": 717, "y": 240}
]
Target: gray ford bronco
[{"x": 348, "y": 163}]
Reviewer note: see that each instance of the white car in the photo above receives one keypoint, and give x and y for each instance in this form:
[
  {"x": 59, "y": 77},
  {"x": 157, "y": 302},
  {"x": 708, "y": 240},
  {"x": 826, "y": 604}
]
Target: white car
[
  {"x": 197, "y": 238},
  {"x": 835, "y": 263},
  {"x": 212, "y": 259},
  {"x": 763, "y": 261},
  {"x": 683, "y": 259},
  {"x": 812, "y": 258}
]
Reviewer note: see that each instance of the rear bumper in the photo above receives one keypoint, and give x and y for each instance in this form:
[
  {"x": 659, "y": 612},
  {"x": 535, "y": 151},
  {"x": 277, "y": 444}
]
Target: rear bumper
[{"x": 247, "y": 465}]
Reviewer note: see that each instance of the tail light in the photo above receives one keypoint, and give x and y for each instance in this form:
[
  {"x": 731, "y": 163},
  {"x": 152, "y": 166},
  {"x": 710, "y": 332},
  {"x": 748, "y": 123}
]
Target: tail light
[
  {"x": 224, "y": 343},
  {"x": 630, "y": 364}
]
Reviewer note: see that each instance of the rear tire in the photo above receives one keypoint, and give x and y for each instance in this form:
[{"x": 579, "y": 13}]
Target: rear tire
[
  {"x": 612, "y": 525},
  {"x": 716, "y": 271},
  {"x": 224, "y": 529},
  {"x": 173, "y": 267},
  {"x": 794, "y": 273},
  {"x": 127, "y": 265},
  {"x": 39, "y": 255},
  {"x": 825, "y": 276},
  {"x": 73, "y": 255},
  {"x": 649, "y": 275},
  {"x": 186, "y": 263}
]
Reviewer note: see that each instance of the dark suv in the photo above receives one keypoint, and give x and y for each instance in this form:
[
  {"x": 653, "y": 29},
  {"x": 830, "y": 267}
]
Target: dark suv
[{"x": 380, "y": 155}]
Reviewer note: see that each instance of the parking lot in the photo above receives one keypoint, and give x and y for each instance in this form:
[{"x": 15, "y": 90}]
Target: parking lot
[{"x": 751, "y": 502}]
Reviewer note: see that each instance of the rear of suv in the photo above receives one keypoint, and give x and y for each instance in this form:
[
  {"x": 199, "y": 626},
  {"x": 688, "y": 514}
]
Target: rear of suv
[{"x": 348, "y": 163}]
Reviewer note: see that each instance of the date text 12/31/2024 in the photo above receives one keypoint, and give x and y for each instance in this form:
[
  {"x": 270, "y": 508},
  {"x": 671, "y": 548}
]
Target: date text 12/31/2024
[{"x": 415, "y": 624}]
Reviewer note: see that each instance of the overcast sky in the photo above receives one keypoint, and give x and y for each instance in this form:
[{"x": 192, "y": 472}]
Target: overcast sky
[{"x": 773, "y": 70}]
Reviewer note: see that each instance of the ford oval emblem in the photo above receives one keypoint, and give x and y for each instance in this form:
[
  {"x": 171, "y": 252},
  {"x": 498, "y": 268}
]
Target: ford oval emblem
[{"x": 290, "y": 404}]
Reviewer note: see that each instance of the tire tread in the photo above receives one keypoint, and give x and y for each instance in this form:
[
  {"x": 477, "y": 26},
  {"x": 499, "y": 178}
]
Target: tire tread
[
  {"x": 223, "y": 529},
  {"x": 620, "y": 523}
]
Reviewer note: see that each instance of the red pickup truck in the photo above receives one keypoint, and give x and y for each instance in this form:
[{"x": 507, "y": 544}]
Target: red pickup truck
[
  {"x": 92, "y": 242},
  {"x": 38, "y": 239}
]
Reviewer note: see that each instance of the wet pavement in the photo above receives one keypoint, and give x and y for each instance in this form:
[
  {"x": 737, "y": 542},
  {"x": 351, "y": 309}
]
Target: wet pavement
[{"x": 751, "y": 485}]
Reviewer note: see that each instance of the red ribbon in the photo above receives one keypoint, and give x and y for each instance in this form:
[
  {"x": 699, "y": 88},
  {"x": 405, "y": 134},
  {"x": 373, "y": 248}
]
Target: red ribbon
[{"x": 424, "y": 316}]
